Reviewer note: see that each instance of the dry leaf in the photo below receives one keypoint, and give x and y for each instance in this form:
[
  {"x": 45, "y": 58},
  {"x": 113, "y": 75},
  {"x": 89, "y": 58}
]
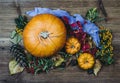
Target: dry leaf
[
  {"x": 14, "y": 67},
  {"x": 59, "y": 62},
  {"x": 97, "y": 67}
]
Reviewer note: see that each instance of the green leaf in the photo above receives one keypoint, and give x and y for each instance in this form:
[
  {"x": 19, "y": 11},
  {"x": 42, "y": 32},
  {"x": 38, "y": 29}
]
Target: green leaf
[
  {"x": 92, "y": 14},
  {"x": 37, "y": 71},
  {"x": 45, "y": 67},
  {"x": 16, "y": 39},
  {"x": 41, "y": 61},
  {"x": 13, "y": 34},
  {"x": 21, "y": 21},
  {"x": 110, "y": 60}
]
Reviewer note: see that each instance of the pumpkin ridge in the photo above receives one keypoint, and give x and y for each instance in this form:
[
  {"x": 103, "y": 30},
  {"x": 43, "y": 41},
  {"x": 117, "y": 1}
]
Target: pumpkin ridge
[
  {"x": 53, "y": 20},
  {"x": 57, "y": 35},
  {"x": 41, "y": 41},
  {"x": 35, "y": 47},
  {"x": 34, "y": 39},
  {"x": 53, "y": 43}
]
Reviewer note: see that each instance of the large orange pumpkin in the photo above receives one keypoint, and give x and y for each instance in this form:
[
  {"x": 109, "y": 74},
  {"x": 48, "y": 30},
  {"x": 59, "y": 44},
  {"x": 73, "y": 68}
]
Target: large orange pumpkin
[{"x": 44, "y": 35}]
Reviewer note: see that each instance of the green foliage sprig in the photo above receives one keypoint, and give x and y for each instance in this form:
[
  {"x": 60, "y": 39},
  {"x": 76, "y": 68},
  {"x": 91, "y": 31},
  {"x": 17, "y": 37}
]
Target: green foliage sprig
[
  {"x": 37, "y": 65},
  {"x": 21, "y": 22},
  {"x": 93, "y": 15}
]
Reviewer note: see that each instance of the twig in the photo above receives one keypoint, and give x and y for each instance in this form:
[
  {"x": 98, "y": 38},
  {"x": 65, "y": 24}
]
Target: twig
[
  {"x": 17, "y": 5},
  {"x": 101, "y": 7}
]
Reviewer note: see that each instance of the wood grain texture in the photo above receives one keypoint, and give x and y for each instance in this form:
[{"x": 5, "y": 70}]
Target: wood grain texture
[{"x": 110, "y": 74}]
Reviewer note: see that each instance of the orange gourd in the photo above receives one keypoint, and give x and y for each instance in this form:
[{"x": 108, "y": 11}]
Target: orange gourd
[
  {"x": 86, "y": 61},
  {"x": 44, "y": 35},
  {"x": 72, "y": 45}
]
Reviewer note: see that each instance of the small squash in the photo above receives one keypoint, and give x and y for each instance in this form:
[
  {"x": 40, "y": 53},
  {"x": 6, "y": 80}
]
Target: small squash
[
  {"x": 44, "y": 35},
  {"x": 86, "y": 61},
  {"x": 72, "y": 45}
]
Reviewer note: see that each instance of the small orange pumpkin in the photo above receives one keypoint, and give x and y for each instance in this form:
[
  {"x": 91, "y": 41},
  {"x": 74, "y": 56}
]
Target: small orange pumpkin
[
  {"x": 44, "y": 35},
  {"x": 72, "y": 45},
  {"x": 86, "y": 61}
]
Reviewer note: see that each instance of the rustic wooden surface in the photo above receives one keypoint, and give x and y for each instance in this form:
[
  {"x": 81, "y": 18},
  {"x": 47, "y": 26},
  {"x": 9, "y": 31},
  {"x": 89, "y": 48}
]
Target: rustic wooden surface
[{"x": 110, "y": 74}]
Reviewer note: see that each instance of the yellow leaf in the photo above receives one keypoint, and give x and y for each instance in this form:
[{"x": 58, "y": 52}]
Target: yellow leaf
[
  {"x": 59, "y": 62},
  {"x": 97, "y": 67},
  {"x": 14, "y": 67}
]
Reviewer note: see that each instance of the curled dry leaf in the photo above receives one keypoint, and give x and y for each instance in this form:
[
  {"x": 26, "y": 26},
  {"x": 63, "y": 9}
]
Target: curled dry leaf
[
  {"x": 58, "y": 60},
  {"x": 97, "y": 67}
]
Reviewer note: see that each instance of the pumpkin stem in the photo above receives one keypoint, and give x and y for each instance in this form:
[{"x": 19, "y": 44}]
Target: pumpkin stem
[{"x": 44, "y": 34}]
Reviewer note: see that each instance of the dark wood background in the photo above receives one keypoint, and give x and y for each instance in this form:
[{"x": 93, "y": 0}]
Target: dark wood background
[{"x": 109, "y": 74}]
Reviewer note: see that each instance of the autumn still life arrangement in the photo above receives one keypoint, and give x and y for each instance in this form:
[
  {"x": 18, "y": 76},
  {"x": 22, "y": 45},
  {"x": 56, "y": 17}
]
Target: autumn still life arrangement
[{"x": 55, "y": 39}]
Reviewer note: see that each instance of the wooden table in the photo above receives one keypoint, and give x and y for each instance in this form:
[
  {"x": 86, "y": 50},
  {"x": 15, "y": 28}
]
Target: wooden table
[{"x": 110, "y": 74}]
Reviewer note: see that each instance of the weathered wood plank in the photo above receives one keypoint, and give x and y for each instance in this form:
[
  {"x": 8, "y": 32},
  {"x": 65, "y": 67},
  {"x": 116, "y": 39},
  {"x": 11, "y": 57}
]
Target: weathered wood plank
[
  {"x": 64, "y": 76},
  {"x": 69, "y": 3}
]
